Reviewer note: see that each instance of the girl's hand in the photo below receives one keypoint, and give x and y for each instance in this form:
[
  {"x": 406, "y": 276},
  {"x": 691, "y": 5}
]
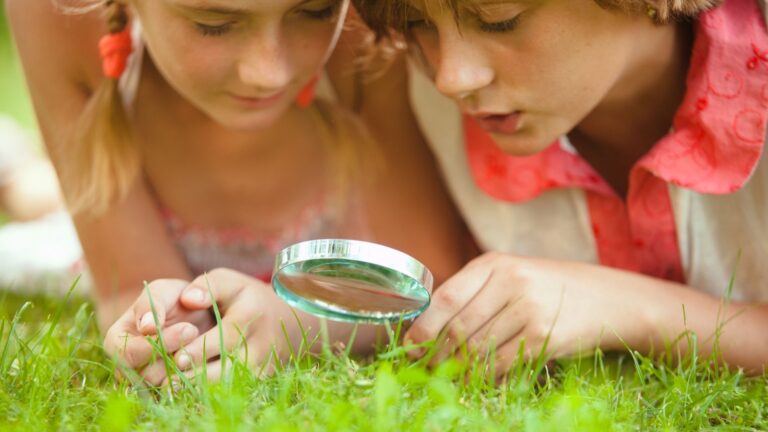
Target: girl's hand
[
  {"x": 251, "y": 316},
  {"x": 500, "y": 300},
  {"x": 127, "y": 340}
]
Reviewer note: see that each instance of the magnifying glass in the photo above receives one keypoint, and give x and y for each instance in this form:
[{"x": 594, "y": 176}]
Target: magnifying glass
[{"x": 352, "y": 280}]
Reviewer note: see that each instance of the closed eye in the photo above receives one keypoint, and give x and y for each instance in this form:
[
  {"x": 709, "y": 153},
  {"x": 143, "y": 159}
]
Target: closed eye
[
  {"x": 321, "y": 14},
  {"x": 213, "y": 30},
  {"x": 500, "y": 26}
]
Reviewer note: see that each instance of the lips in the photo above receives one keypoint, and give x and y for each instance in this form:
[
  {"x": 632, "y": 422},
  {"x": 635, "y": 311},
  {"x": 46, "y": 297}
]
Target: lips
[
  {"x": 259, "y": 101},
  {"x": 499, "y": 123}
]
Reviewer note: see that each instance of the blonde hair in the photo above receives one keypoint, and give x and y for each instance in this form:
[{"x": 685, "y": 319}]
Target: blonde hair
[
  {"x": 100, "y": 164},
  {"x": 348, "y": 139}
]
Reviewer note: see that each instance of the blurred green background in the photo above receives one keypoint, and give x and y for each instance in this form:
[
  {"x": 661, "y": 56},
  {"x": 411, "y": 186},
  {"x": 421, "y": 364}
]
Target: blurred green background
[{"x": 14, "y": 100}]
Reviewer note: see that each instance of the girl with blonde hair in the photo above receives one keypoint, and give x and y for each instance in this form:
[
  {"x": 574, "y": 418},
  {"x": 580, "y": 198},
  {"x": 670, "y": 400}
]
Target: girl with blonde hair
[{"x": 188, "y": 138}]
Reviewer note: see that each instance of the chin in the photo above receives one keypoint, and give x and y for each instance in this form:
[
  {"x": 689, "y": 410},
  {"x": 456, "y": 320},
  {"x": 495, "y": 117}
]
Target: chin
[
  {"x": 250, "y": 121},
  {"x": 520, "y": 145}
]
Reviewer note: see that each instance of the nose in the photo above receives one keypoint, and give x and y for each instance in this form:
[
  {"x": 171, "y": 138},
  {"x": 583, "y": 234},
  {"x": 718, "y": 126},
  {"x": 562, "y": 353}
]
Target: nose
[
  {"x": 264, "y": 63},
  {"x": 462, "y": 66}
]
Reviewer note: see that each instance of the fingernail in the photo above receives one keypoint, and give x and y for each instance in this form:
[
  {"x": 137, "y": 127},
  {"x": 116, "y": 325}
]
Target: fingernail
[
  {"x": 146, "y": 320},
  {"x": 417, "y": 353},
  {"x": 184, "y": 361},
  {"x": 188, "y": 334},
  {"x": 176, "y": 383},
  {"x": 195, "y": 294}
]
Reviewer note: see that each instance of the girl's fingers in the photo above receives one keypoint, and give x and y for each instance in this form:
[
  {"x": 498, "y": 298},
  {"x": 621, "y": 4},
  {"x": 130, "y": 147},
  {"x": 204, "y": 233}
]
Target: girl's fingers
[
  {"x": 260, "y": 362},
  {"x": 165, "y": 296},
  {"x": 448, "y": 301},
  {"x": 212, "y": 373},
  {"x": 136, "y": 351},
  {"x": 499, "y": 330},
  {"x": 178, "y": 335},
  {"x": 235, "y": 329},
  {"x": 483, "y": 312},
  {"x": 202, "y": 319},
  {"x": 517, "y": 349},
  {"x": 154, "y": 373},
  {"x": 222, "y": 285}
]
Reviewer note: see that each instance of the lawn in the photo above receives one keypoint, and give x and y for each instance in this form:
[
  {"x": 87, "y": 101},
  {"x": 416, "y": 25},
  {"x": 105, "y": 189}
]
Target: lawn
[
  {"x": 54, "y": 375},
  {"x": 13, "y": 94}
]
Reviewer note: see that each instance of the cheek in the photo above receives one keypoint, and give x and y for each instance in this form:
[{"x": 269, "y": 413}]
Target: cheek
[
  {"x": 187, "y": 63},
  {"x": 195, "y": 71},
  {"x": 308, "y": 49},
  {"x": 204, "y": 68},
  {"x": 583, "y": 57},
  {"x": 554, "y": 77}
]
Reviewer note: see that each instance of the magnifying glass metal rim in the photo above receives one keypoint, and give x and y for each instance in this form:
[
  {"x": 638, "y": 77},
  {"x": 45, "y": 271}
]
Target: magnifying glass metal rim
[{"x": 351, "y": 250}]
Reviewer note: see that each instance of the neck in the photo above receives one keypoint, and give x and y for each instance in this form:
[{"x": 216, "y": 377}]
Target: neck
[
  {"x": 218, "y": 141},
  {"x": 640, "y": 108}
]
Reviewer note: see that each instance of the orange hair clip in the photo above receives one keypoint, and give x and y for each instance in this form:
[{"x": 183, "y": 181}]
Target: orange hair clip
[
  {"x": 115, "y": 49},
  {"x": 307, "y": 95}
]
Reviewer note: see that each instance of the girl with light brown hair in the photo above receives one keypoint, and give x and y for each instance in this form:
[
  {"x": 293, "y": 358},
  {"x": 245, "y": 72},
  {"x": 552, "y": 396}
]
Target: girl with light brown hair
[
  {"x": 609, "y": 158},
  {"x": 188, "y": 138}
]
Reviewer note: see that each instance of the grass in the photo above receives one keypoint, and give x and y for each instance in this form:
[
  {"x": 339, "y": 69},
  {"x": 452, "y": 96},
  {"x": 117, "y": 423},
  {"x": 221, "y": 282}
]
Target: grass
[
  {"x": 54, "y": 375},
  {"x": 14, "y": 99}
]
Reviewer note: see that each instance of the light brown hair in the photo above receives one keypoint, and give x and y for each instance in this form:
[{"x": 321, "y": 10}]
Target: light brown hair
[{"x": 387, "y": 16}]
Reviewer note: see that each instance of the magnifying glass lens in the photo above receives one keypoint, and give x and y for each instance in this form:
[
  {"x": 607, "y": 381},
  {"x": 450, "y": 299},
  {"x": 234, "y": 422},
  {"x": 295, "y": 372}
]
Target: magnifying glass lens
[{"x": 352, "y": 281}]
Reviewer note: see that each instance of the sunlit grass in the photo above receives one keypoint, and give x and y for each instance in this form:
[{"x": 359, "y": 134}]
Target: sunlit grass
[
  {"x": 54, "y": 375},
  {"x": 14, "y": 99}
]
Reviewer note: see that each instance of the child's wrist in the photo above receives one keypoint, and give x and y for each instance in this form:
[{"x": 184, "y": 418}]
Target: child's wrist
[{"x": 657, "y": 316}]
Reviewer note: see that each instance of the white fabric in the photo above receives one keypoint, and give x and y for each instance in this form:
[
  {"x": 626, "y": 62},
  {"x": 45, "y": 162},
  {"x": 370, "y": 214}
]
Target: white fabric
[
  {"x": 14, "y": 148},
  {"x": 713, "y": 230},
  {"x": 129, "y": 81},
  {"x": 724, "y": 235},
  {"x": 41, "y": 256}
]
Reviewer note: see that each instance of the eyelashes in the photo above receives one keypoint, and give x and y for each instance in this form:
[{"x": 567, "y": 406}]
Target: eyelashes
[
  {"x": 487, "y": 27},
  {"x": 211, "y": 30},
  {"x": 500, "y": 26},
  {"x": 322, "y": 14}
]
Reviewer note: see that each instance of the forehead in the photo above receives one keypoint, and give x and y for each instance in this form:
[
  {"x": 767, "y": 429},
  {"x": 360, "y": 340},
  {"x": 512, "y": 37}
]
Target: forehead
[
  {"x": 441, "y": 6},
  {"x": 239, "y": 6}
]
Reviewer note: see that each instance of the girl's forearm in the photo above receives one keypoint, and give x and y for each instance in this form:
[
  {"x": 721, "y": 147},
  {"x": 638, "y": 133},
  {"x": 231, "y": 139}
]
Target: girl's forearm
[{"x": 737, "y": 330}]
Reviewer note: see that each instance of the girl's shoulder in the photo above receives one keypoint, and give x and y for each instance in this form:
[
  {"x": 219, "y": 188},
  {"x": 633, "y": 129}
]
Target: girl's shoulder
[{"x": 58, "y": 39}]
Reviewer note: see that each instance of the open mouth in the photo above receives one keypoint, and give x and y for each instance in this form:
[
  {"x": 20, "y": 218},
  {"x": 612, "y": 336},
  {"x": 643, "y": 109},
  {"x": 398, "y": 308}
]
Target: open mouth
[{"x": 499, "y": 123}]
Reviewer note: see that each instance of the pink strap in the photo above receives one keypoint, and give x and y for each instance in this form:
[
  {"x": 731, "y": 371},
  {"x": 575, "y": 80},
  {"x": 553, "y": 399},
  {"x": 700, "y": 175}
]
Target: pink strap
[{"x": 115, "y": 49}]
